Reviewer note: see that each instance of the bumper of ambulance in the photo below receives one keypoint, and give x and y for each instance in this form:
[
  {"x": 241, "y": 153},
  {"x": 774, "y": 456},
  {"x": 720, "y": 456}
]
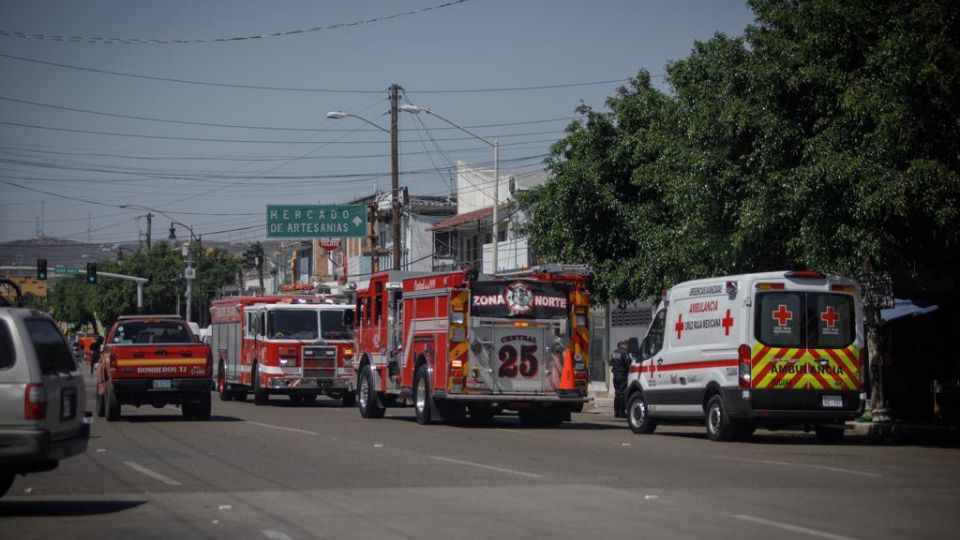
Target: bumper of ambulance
[{"x": 785, "y": 406}]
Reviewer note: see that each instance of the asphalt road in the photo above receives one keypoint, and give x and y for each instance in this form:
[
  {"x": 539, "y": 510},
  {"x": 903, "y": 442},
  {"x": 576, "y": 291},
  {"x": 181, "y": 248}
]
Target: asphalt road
[{"x": 320, "y": 471}]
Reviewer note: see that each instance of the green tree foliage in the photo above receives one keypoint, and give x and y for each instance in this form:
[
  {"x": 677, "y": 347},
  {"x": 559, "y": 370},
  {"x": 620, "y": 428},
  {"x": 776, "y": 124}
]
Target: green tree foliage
[
  {"x": 825, "y": 137},
  {"x": 75, "y": 301}
]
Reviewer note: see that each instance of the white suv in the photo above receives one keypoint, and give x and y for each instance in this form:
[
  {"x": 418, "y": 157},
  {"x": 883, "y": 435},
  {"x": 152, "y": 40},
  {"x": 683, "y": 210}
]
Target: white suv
[{"x": 42, "y": 396}]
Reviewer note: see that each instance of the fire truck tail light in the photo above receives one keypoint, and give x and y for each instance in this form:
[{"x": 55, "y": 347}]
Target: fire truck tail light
[
  {"x": 744, "y": 367},
  {"x": 456, "y": 363},
  {"x": 348, "y": 352},
  {"x": 35, "y": 402},
  {"x": 521, "y": 324}
]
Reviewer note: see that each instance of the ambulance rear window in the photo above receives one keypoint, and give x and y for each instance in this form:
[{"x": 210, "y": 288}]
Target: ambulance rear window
[{"x": 809, "y": 320}]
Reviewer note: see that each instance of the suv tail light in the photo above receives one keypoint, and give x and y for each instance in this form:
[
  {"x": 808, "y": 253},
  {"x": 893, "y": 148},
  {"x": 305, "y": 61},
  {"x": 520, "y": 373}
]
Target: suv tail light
[
  {"x": 35, "y": 402},
  {"x": 744, "y": 367}
]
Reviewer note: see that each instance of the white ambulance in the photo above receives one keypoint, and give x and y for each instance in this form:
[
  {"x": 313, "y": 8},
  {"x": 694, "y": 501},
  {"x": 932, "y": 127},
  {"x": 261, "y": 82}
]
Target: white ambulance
[{"x": 771, "y": 350}]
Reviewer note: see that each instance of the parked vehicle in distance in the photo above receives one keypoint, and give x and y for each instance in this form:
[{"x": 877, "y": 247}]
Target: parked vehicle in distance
[
  {"x": 153, "y": 360},
  {"x": 772, "y": 350},
  {"x": 42, "y": 394}
]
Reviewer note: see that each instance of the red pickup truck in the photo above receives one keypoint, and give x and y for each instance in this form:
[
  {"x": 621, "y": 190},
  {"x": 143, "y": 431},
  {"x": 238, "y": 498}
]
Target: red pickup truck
[{"x": 154, "y": 360}]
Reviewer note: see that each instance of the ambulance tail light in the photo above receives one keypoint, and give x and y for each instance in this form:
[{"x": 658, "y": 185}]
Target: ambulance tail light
[
  {"x": 843, "y": 288},
  {"x": 770, "y": 286},
  {"x": 744, "y": 367},
  {"x": 805, "y": 274},
  {"x": 35, "y": 402}
]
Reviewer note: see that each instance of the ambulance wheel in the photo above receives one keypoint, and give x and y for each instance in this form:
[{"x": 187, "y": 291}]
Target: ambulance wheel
[
  {"x": 112, "y": 405},
  {"x": 829, "y": 434},
  {"x": 422, "y": 400},
  {"x": 260, "y": 397},
  {"x": 638, "y": 416},
  {"x": 101, "y": 406},
  {"x": 225, "y": 393},
  {"x": 349, "y": 399},
  {"x": 6, "y": 480},
  {"x": 719, "y": 425},
  {"x": 368, "y": 401}
]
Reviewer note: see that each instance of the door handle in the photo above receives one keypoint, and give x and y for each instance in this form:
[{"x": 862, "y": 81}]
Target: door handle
[{"x": 659, "y": 361}]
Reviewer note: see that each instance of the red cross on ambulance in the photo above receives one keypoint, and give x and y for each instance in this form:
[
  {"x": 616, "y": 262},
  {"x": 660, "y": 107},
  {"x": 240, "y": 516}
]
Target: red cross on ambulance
[
  {"x": 830, "y": 317},
  {"x": 679, "y": 326},
  {"x": 782, "y": 315}
]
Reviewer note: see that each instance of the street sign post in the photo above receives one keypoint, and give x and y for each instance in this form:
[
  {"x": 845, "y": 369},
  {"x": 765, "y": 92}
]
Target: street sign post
[{"x": 316, "y": 221}]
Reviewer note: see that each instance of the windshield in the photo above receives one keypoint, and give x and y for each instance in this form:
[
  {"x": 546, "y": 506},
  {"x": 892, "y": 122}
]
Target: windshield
[
  {"x": 141, "y": 332},
  {"x": 332, "y": 327},
  {"x": 51, "y": 348},
  {"x": 292, "y": 324}
]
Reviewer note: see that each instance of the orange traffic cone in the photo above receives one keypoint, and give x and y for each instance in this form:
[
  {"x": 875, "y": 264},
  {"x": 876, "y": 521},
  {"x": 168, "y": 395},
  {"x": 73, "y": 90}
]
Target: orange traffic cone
[{"x": 566, "y": 376}]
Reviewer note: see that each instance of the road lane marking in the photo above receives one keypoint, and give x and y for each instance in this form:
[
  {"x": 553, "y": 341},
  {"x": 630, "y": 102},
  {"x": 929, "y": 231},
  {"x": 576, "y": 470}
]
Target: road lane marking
[
  {"x": 488, "y": 467},
  {"x": 792, "y": 528},
  {"x": 295, "y": 430},
  {"x": 276, "y": 535},
  {"x": 152, "y": 474},
  {"x": 807, "y": 465}
]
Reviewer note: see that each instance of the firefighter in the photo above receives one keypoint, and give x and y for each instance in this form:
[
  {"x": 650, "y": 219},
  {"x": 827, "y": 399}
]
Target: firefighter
[{"x": 620, "y": 366}]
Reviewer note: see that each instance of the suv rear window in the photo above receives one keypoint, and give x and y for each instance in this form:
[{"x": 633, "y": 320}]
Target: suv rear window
[
  {"x": 809, "y": 320},
  {"x": 6, "y": 346},
  {"x": 144, "y": 332},
  {"x": 52, "y": 350}
]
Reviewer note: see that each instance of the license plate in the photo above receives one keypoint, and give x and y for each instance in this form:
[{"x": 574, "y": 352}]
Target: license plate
[
  {"x": 68, "y": 405},
  {"x": 832, "y": 401},
  {"x": 162, "y": 383}
]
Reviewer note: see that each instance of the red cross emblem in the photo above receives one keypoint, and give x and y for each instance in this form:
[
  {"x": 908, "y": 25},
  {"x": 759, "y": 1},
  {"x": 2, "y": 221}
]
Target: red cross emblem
[
  {"x": 830, "y": 317},
  {"x": 679, "y": 326},
  {"x": 782, "y": 315},
  {"x": 727, "y": 323}
]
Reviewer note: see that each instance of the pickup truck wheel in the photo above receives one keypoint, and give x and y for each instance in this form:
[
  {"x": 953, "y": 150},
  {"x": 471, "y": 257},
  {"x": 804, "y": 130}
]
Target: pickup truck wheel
[
  {"x": 6, "y": 480},
  {"x": 201, "y": 411},
  {"x": 260, "y": 397},
  {"x": 367, "y": 399},
  {"x": 225, "y": 393},
  {"x": 719, "y": 425},
  {"x": 423, "y": 401},
  {"x": 349, "y": 399},
  {"x": 113, "y": 404},
  {"x": 101, "y": 407},
  {"x": 638, "y": 416}
]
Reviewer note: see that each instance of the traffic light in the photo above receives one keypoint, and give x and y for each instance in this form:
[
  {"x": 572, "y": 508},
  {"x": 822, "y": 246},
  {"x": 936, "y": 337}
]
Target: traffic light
[
  {"x": 41, "y": 269},
  {"x": 91, "y": 272}
]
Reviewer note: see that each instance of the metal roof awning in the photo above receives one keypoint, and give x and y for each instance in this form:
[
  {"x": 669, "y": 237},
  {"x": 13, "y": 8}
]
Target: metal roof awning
[
  {"x": 903, "y": 308},
  {"x": 463, "y": 219}
]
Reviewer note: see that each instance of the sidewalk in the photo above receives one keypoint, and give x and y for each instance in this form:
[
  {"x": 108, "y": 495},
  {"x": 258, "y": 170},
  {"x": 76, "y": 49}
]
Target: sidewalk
[{"x": 907, "y": 432}]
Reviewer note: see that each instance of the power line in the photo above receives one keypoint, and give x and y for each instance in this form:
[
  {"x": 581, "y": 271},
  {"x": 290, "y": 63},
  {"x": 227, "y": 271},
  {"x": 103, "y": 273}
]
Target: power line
[
  {"x": 313, "y": 90},
  {"x": 285, "y": 33}
]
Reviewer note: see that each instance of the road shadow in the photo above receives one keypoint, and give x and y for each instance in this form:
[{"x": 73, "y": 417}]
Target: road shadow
[
  {"x": 160, "y": 418},
  {"x": 777, "y": 438},
  {"x": 64, "y": 508},
  {"x": 508, "y": 421},
  {"x": 318, "y": 404}
]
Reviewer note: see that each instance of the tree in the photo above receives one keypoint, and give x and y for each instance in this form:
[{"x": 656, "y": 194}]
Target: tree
[{"x": 824, "y": 138}]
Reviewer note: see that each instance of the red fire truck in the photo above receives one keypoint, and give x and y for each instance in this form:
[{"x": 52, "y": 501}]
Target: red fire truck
[
  {"x": 297, "y": 346},
  {"x": 452, "y": 343}
]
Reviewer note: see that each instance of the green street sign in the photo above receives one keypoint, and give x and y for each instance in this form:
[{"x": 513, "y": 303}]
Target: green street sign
[
  {"x": 316, "y": 221},
  {"x": 60, "y": 269}
]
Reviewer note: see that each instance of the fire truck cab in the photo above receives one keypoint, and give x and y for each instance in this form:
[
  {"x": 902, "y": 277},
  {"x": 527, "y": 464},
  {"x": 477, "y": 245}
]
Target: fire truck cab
[
  {"x": 299, "y": 347},
  {"x": 457, "y": 342}
]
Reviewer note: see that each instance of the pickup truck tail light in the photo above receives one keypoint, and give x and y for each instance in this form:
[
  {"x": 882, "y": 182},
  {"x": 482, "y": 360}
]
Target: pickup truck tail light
[{"x": 35, "y": 402}]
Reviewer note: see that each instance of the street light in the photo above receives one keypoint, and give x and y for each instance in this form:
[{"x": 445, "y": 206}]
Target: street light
[
  {"x": 189, "y": 273},
  {"x": 495, "y": 143},
  {"x": 394, "y": 167}
]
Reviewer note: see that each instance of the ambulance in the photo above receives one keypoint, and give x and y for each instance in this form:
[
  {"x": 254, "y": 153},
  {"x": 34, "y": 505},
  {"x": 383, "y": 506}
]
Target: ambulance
[{"x": 772, "y": 350}]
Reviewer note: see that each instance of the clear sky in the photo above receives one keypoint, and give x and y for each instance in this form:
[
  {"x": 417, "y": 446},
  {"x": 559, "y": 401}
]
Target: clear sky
[{"x": 218, "y": 179}]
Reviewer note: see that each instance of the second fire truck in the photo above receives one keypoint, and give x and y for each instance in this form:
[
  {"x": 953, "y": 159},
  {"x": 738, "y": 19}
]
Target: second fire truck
[
  {"x": 295, "y": 346},
  {"x": 453, "y": 343}
]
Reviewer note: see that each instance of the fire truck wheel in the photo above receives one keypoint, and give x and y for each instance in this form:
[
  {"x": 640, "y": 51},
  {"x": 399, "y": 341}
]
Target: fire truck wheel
[
  {"x": 113, "y": 404},
  {"x": 423, "y": 401},
  {"x": 101, "y": 406},
  {"x": 638, "y": 416},
  {"x": 309, "y": 398},
  {"x": 368, "y": 402},
  {"x": 719, "y": 425},
  {"x": 260, "y": 397},
  {"x": 225, "y": 393},
  {"x": 349, "y": 399}
]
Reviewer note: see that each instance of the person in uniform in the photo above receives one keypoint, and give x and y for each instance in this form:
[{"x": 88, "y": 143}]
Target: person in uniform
[{"x": 620, "y": 366}]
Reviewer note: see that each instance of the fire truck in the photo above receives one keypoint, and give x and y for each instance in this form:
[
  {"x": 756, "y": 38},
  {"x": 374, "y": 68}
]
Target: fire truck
[
  {"x": 458, "y": 342},
  {"x": 301, "y": 347}
]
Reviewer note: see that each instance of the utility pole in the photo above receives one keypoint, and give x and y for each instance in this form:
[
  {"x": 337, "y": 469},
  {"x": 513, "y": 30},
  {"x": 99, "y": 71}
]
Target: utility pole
[
  {"x": 394, "y": 176},
  {"x": 149, "y": 224}
]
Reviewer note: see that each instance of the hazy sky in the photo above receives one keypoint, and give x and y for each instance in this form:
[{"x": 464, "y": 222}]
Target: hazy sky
[{"x": 219, "y": 179}]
